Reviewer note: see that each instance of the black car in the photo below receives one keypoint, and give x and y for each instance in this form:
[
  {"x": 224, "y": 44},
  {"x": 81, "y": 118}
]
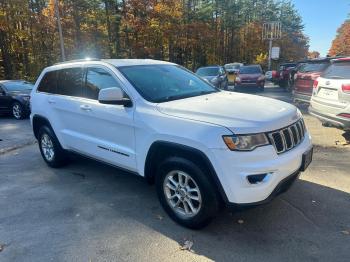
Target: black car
[
  {"x": 216, "y": 75},
  {"x": 15, "y": 97}
]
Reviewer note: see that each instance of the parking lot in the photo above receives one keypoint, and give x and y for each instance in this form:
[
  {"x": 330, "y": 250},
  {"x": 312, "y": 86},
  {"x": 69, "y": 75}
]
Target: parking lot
[{"x": 89, "y": 211}]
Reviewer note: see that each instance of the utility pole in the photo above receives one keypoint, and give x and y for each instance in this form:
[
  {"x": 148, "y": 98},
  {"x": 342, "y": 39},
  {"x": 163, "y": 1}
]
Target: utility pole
[{"x": 57, "y": 12}]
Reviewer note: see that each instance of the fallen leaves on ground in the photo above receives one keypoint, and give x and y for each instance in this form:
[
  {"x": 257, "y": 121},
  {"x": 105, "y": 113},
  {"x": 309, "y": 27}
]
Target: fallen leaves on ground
[
  {"x": 240, "y": 221},
  {"x": 187, "y": 245},
  {"x": 346, "y": 232}
]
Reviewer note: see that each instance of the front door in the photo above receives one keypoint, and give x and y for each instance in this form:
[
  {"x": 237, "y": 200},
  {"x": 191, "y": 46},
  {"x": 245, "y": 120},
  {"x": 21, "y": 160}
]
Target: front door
[{"x": 108, "y": 130}]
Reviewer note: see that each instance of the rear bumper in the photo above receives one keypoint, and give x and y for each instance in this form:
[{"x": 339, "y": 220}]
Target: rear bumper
[
  {"x": 330, "y": 119},
  {"x": 301, "y": 97}
]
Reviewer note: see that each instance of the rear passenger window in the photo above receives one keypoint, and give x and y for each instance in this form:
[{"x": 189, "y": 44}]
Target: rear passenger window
[
  {"x": 48, "y": 83},
  {"x": 70, "y": 82},
  {"x": 97, "y": 79}
]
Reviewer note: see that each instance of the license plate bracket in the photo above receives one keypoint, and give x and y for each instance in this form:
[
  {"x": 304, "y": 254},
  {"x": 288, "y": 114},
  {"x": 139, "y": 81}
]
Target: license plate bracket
[{"x": 306, "y": 159}]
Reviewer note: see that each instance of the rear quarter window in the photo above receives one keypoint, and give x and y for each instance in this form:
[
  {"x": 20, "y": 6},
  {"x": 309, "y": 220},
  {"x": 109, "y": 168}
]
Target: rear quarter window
[
  {"x": 338, "y": 70},
  {"x": 48, "y": 83}
]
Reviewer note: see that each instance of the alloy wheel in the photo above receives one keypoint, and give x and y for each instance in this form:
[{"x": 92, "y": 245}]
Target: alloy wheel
[
  {"x": 182, "y": 193},
  {"x": 17, "y": 111},
  {"x": 47, "y": 147}
]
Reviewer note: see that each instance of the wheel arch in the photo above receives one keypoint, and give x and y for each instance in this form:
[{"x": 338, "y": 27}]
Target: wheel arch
[
  {"x": 160, "y": 150},
  {"x": 37, "y": 122}
]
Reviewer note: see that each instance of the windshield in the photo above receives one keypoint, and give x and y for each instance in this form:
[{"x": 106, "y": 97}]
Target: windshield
[
  {"x": 18, "y": 86},
  {"x": 161, "y": 83},
  {"x": 232, "y": 66},
  {"x": 313, "y": 67},
  {"x": 338, "y": 71},
  {"x": 250, "y": 70},
  {"x": 208, "y": 71}
]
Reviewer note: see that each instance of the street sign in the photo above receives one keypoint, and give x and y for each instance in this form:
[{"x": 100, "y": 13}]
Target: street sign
[
  {"x": 272, "y": 31},
  {"x": 275, "y": 53}
]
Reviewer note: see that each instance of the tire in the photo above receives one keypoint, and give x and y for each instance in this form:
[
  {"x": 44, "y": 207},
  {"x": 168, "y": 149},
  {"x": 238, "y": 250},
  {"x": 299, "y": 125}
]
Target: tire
[
  {"x": 18, "y": 111},
  {"x": 51, "y": 151},
  {"x": 205, "y": 203}
]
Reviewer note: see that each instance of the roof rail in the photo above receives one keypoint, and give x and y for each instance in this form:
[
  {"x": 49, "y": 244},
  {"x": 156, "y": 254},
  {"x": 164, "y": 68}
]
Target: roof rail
[{"x": 78, "y": 60}]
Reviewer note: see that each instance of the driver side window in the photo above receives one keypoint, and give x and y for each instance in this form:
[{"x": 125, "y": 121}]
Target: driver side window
[{"x": 97, "y": 79}]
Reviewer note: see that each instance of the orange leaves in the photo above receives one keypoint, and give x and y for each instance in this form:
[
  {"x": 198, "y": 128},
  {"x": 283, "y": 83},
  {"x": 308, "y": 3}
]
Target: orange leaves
[{"x": 341, "y": 43}]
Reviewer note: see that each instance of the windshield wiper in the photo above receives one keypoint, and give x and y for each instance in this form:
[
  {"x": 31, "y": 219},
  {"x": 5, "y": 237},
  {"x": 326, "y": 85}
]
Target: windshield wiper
[{"x": 176, "y": 97}]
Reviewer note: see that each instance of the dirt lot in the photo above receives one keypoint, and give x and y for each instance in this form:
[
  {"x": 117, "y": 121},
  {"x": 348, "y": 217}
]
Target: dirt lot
[{"x": 88, "y": 211}]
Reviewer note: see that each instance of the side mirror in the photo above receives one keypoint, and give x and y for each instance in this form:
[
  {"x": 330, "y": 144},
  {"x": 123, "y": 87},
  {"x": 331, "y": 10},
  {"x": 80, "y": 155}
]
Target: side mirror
[{"x": 113, "y": 96}]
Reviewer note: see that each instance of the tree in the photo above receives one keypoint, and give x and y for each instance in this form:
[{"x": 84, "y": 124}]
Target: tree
[{"x": 341, "y": 43}]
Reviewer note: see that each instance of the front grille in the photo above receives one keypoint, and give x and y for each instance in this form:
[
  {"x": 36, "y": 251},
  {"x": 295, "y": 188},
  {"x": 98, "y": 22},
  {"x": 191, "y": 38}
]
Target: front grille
[{"x": 289, "y": 137}]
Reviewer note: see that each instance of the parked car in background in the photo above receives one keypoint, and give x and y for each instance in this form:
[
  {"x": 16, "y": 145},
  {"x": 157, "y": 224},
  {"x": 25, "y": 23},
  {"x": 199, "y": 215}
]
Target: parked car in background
[
  {"x": 285, "y": 75},
  {"x": 304, "y": 78},
  {"x": 201, "y": 146},
  {"x": 15, "y": 98},
  {"x": 330, "y": 100},
  {"x": 232, "y": 71},
  {"x": 216, "y": 75},
  {"x": 250, "y": 76}
]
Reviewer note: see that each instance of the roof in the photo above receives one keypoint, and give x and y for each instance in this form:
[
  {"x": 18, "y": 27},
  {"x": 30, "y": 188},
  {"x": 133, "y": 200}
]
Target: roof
[
  {"x": 342, "y": 59},
  {"x": 134, "y": 62}
]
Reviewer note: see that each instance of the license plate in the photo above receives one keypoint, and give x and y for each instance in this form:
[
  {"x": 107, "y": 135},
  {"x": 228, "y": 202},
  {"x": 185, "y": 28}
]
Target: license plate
[
  {"x": 328, "y": 93},
  {"x": 306, "y": 160}
]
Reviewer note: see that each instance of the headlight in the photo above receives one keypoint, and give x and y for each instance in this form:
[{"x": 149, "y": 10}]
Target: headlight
[
  {"x": 214, "y": 80},
  {"x": 245, "y": 142},
  {"x": 26, "y": 98}
]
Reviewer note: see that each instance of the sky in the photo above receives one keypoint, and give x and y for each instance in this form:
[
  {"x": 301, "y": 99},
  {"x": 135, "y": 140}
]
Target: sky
[{"x": 322, "y": 18}]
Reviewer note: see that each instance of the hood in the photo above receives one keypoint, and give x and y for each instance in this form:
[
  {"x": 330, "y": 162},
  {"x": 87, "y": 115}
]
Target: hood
[
  {"x": 241, "y": 113},
  {"x": 249, "y": 76},
  {"x": 20, "y": 93}
]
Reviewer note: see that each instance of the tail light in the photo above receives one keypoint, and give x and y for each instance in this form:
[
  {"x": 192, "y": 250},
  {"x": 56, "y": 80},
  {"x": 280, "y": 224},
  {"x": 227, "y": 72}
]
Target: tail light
[
  {"x": 346, "y": 115},
  {"x": 346, "y": 88},
  {"x": 315, "y": 83}
]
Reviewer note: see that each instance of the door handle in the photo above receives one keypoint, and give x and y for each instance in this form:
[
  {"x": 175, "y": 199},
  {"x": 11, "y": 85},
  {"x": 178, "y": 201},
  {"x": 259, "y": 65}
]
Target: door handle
[
  {"x": 85, "y": 107},
  {"x": 51, "y": 101}
]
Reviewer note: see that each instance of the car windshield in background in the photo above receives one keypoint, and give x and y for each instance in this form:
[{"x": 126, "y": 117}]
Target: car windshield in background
[
  {"x": 208, "y": 71},
  {"x": 313, "y": 67},
  {"x": 250, "y": 70},
  {"x": 162, "y": 83},
  {"x": 232, "y": 67},
  {"x": 338, "y": 70},
  {"x": 18, "y": 86}
]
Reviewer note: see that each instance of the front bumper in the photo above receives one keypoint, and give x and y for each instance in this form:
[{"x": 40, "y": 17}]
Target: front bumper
[{"x": 233, "y": 169}]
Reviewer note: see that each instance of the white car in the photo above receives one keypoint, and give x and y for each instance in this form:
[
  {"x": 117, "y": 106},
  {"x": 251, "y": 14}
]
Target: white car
[
  {"x": 330, "y": 101},
  {"x": 161, "y": 121}
]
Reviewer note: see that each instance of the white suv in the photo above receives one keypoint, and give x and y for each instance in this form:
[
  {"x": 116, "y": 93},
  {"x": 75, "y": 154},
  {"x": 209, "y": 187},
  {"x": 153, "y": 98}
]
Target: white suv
[
  {"x": 330, "y": 100},
  {"x": 200, "y": 145}
]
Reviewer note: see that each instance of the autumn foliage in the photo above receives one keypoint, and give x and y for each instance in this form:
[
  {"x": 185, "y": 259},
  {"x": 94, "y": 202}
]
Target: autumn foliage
[
  {"x": 192, "y": 33},
  {"x": 341, "y": 43}
]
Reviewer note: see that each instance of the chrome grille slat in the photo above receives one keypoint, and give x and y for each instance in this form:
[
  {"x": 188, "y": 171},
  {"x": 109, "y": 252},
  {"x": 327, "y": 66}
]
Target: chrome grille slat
[{"x": 289, "y": 137}]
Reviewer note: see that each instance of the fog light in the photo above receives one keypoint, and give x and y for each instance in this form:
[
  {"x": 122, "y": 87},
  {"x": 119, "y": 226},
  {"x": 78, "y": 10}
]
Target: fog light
[{"x": 256, "y": 179}]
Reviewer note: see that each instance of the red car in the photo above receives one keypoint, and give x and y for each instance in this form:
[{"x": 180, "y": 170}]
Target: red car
[
  {"x": 305, "y": 77},
  {"x": 250, "y": 76}
]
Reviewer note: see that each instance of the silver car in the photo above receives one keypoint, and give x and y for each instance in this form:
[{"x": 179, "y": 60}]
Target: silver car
[{"x": 330, "y": 100}]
